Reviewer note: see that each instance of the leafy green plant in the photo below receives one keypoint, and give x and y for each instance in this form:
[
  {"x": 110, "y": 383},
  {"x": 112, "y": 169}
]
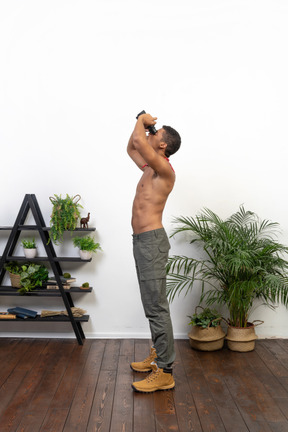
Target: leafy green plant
[
  {"x": 31, "y": 275},
  {"x": 85, "y": 285},
  {"x": 65, "y": 214},
  {"x": 29, "y": 244},
  {"x": 13, "y": 267},
  {"x": 86, "y": 243},
  {"x": 243, "y": 261},
  {"x": 207, "y": 318}
]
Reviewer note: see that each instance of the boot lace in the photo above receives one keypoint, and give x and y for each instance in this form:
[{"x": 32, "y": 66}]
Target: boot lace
[
  {"x": 149, "y": 359},
  {"x": 152, "y": 376}
]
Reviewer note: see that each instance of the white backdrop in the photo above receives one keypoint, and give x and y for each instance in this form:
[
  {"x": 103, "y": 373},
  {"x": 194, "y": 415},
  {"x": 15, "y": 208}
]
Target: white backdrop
[{"x": 73, "y": 76}]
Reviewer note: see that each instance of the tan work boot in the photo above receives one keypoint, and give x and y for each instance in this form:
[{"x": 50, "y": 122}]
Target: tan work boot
[
  {"x": 145, "y": 365},
  {"x": 157, "y": 380}
]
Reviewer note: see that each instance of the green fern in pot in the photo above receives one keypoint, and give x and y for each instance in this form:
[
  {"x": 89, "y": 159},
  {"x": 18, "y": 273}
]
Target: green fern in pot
[
  {"x": 87, "y": 246},
  {"x": 65, "y": 214}
]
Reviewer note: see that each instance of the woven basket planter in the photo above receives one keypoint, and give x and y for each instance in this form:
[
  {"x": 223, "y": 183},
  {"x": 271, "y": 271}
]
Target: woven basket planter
[
  {"x": 15, "y": 280},
  {"x": 241, "y": 339},
  {"x": 206, "y": 339}
]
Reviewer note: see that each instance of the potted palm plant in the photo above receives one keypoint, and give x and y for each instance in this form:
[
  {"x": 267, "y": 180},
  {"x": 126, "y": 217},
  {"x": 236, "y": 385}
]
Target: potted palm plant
[
  {"x": 206, "y": 333},
  {"x": 242, "y": 262}
]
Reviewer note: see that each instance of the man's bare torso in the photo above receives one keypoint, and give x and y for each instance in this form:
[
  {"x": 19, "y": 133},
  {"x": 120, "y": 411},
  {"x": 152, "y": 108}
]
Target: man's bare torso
[{"x": 149, "y": 202}]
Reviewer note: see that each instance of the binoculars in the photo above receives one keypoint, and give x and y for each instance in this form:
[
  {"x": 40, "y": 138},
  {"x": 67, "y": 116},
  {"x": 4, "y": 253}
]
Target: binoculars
[{"x": 152, "y": 128}]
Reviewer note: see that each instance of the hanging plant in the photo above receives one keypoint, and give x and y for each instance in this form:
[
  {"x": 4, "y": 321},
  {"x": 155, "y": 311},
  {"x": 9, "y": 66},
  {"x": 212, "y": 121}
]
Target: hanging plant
[{"x": 65, "y": 214}]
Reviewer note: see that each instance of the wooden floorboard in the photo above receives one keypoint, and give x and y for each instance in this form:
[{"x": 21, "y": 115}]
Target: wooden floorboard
[{"x": 51, "y": 385}]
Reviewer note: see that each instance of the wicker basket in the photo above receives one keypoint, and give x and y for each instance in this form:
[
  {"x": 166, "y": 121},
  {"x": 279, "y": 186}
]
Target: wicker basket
[
  {"x": 206, "y": 339},
  {"x": 241, "y": 339},
  {"x": 15, "y": 280}
]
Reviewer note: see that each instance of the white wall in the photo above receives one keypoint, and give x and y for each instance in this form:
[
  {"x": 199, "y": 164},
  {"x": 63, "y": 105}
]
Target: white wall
[{"x": 73, "y": 76}]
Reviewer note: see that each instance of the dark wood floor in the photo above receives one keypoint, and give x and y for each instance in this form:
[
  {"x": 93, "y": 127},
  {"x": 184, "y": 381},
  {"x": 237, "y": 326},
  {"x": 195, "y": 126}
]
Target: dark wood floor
[{"x": 55, "y": 385}]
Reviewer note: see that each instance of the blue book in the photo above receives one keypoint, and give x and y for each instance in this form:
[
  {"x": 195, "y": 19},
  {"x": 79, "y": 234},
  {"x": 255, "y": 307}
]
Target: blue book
[
  {"x": 18, "y": 315},
  {"x": 22, "y": 312}
]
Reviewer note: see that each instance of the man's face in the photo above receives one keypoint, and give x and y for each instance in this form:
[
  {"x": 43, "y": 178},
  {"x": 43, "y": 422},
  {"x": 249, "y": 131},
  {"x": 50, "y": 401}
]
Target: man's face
[{"x": 155, "y": 139}]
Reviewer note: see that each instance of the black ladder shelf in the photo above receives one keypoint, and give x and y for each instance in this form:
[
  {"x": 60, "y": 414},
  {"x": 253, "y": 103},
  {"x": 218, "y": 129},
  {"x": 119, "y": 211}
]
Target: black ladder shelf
[{"x": 30, "y": 203}]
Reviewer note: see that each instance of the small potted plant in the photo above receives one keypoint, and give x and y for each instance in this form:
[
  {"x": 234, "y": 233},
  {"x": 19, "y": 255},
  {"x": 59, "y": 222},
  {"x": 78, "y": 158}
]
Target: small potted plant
[
  {"x": 14, "y": 270},
  {"x": 27, "y": 276},
  {"x": 206, "y": 333},
  {"x": 65, "y": 214},
  {"x": 29, "y": 247},
  {"x": 87, "y": 246}
]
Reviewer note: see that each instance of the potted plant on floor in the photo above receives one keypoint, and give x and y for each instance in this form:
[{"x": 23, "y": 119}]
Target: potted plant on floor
[
  {"x": 87, "y": 246},
  {"x": 65, "y": 214},
  {"x": 206, "y": 333},
  {"x": 242, "y": 262},
  {"x": 29, "y": 247}
]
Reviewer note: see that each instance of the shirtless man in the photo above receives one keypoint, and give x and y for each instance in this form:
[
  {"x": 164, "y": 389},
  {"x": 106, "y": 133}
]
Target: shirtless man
[{"x": 151, "y": 246}]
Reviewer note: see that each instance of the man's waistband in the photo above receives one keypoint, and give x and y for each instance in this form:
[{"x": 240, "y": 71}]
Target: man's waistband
[{"x": 148, "y": 234}]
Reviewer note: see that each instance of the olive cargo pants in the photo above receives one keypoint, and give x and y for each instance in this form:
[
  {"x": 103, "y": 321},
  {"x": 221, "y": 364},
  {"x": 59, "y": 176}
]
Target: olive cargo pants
[{"x": 150, "y": 251}]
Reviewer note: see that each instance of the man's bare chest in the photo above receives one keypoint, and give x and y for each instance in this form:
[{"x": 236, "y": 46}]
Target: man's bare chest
[{"x": 149, "y": 180}]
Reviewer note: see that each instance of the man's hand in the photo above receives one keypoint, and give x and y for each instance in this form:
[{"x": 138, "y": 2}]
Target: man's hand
[{"x": 147, "y": 120}]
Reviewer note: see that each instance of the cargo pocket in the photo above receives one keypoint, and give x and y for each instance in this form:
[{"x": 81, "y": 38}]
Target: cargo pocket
[{"x": 157, "y": 256}]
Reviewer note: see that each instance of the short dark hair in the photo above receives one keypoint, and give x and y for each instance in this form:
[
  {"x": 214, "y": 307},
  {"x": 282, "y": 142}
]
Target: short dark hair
[{"x": 173, "y": 140}]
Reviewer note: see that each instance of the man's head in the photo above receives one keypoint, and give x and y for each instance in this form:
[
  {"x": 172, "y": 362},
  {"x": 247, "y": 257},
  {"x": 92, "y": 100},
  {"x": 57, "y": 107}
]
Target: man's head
[{"x": 173, "y": 140}]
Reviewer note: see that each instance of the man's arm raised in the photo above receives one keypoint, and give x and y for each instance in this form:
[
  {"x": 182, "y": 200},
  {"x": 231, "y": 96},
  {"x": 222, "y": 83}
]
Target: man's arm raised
[
  {"x": 151, "y": 157},
  {"x": 134, "y": 154}
]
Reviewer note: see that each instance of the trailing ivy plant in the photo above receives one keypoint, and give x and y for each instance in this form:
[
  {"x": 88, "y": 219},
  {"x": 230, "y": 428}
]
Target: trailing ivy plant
[
  {"x": 65, "y": 214},
  {"x": 31, "y": 275}
]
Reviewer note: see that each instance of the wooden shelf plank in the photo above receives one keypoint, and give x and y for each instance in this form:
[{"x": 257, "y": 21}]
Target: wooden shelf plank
[
  {"x": 56, "y": 318},
  {"x": 36, "y": 228},
  {"x": 41, "y": 292},
  {"x": 45, "y": 258}
]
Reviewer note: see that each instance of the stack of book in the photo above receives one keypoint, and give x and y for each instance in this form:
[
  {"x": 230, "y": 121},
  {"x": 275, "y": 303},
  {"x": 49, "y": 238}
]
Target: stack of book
[{"x": 52, "y": 283}]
